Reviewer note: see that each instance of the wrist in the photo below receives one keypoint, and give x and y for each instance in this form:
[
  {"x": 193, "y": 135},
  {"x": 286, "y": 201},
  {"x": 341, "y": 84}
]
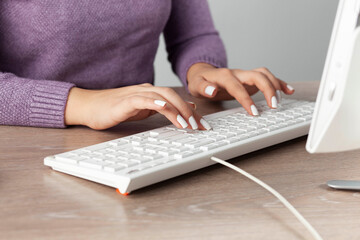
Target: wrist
[
  {"x": 75, "y": 111},
  {"x": 196, "y": 68}
]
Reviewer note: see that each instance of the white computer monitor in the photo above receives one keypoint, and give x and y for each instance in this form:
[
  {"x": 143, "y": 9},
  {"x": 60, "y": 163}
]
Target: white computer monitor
[{"x": 336, "y": 121}]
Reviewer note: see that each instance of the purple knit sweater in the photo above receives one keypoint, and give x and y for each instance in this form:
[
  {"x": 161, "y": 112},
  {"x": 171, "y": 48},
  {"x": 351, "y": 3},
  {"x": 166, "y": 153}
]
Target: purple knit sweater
[{"x": 47, "y": 47}]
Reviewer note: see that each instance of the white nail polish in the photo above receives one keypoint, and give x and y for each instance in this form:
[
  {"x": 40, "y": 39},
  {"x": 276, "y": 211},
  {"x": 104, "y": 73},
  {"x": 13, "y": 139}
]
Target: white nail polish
[
  {"x": 160, "y": 103},
  {"x": 205, "y": 124},
  {"x": 278, "y": 95},
  {"x": 193, "y": 123},
  {"x": 254, "y": 110},
  {"x": 209, "y": 90},
  {"x": 182, "y": 121},
  {"x": 274, "y": 103},
  {"x": 289, "y": 87}
]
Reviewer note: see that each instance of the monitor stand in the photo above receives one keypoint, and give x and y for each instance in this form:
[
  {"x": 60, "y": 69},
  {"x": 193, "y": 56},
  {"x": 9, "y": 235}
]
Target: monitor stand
[
  {"x": 344, "y": 184},
  {"x": 352, "y": 77}
]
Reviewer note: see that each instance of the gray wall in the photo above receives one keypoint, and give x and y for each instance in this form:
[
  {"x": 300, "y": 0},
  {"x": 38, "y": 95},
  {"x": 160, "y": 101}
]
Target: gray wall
[{"x": 289, "y": 37}]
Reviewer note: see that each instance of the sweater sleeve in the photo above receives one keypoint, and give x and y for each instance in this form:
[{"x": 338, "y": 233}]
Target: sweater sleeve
[
  {"x": 28, "y": 102},
  {"x": 191, "y": 37}
]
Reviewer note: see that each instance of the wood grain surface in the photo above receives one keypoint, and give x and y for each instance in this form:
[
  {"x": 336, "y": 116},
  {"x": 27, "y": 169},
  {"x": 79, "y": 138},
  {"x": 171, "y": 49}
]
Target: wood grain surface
[{"x": 212, "y": 203}]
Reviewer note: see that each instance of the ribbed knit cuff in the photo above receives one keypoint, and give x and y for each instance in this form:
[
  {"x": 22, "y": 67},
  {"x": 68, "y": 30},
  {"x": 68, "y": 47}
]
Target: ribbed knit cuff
[
  {"x": 200, "y": 59},
  {"x": 48, "y": 102}
]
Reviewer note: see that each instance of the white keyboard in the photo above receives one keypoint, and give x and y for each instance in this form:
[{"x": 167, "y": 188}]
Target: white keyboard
[{"x": 139, "y": 160}]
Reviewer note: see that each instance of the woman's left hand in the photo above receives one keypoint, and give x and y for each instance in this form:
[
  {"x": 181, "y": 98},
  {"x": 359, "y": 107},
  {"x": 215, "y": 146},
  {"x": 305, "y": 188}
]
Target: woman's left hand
[{"x": 223, "y": 84}]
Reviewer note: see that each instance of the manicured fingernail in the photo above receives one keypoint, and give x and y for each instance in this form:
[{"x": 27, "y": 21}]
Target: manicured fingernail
[
  {"x": 182, "y": 121},
  {"x": 209, "y": 90},
  {"x": 290, "y": 87},
  {"x": 193, "y": 123},
  {"x": 205, "y": 124},
  {"x": 278, "y": 96},
  {"x": 274, "y": 103},
  {"x": 254, "y": 110},
  {"x": 160, "y": 103}
]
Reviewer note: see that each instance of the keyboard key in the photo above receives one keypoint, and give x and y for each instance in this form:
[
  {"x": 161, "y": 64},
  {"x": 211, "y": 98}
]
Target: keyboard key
[
  {"x": 222, "y": 143},
  {"x": 139, "y": 142},
  {"x": 92, "y": 164},
  {"x": 262, "y": 131},
  {"x": 145, "y": 160},
  {"x": 167, "y": 135},
  {"x": 273, "y": 127},
  {"x": 184, "y": 142},
  {"x": 139, "y": 148},
  {"x": 70, "y": 159},
  {"x": 184, "y": 155},
  {"x": 167, "y": 152},
  {"x": 129, "y": 163},
  {"x": 156, "y": 163},
  {"x": 232, "y": 140},
  {"x": 111, "y": 160},
  {"x": 209, "y": 147},
  {"x": 118, "y": 142},
  {"x": 113, "y": 168},
  {"x": 150, "y": 150},
  {"x": 97, "y": 147},
  {"x": 199, "y": 143},
  {"x": 169, "y": 159},
  {"x": 157, "y": 132},
  {"x": 176, "y": 138},
  {"x": 154, "y": 156},
  {"x": 135, "y": 154}
]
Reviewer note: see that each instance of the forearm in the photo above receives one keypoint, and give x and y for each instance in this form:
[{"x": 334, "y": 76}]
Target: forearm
[
  {"x": 192, "y": 38},
  {"x": 29, "y": 102}
]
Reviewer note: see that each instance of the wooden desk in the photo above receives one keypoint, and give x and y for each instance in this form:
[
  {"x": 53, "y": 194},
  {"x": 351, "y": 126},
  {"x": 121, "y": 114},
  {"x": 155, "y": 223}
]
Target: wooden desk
[{"x": 213, "y": 203}]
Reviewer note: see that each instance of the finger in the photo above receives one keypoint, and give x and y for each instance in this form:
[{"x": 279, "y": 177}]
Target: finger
[
  {"x": 133, "y": 104},
  {"x": 201, "y": 87},
  {"x": 275, "y": 81},
  {"x": 261, "y": 81},
  {"x": 173, "y": 114},
  {"x": 286, "y": 88},
  {"x": 170, "y": 111},
  {"x": 182, "y": 107},
  {"x": 192, "y": 105},
  {"x": 225, "y": 79},
  {"x": 202, "y": 123}
]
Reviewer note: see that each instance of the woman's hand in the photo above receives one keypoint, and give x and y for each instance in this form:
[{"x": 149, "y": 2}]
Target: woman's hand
[
  {"x": 222, "y": 84},
  {"x": 102, "y": 109}
]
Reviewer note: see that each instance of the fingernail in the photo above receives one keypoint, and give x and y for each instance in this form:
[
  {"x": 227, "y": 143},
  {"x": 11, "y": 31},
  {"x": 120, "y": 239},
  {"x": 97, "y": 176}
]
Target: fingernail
[
  {"x": 182, "y": 121},
  {"x": 193, "y": 123},
  {"x": 290, "y": 87},
  {"x": 274, "y": 102},
  {"x": 160, "y": 103},
  {"x": 254, "y": 110},
  {"x": 278, "y": 95},
  {"x": 205, "y": 124},
  {"x": 209, "y": 90}
]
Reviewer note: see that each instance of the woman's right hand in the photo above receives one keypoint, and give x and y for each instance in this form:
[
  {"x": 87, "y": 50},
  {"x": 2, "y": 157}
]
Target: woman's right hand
[{"x": 102, "y": 109}]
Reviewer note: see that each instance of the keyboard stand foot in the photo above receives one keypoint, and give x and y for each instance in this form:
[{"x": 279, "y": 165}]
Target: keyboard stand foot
[{"x": 124, "y": 194}]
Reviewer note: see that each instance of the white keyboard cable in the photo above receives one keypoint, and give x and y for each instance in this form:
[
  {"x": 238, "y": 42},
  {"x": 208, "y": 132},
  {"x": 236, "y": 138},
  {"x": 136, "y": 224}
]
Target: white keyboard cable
[{"x": 307, "y": 225}]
